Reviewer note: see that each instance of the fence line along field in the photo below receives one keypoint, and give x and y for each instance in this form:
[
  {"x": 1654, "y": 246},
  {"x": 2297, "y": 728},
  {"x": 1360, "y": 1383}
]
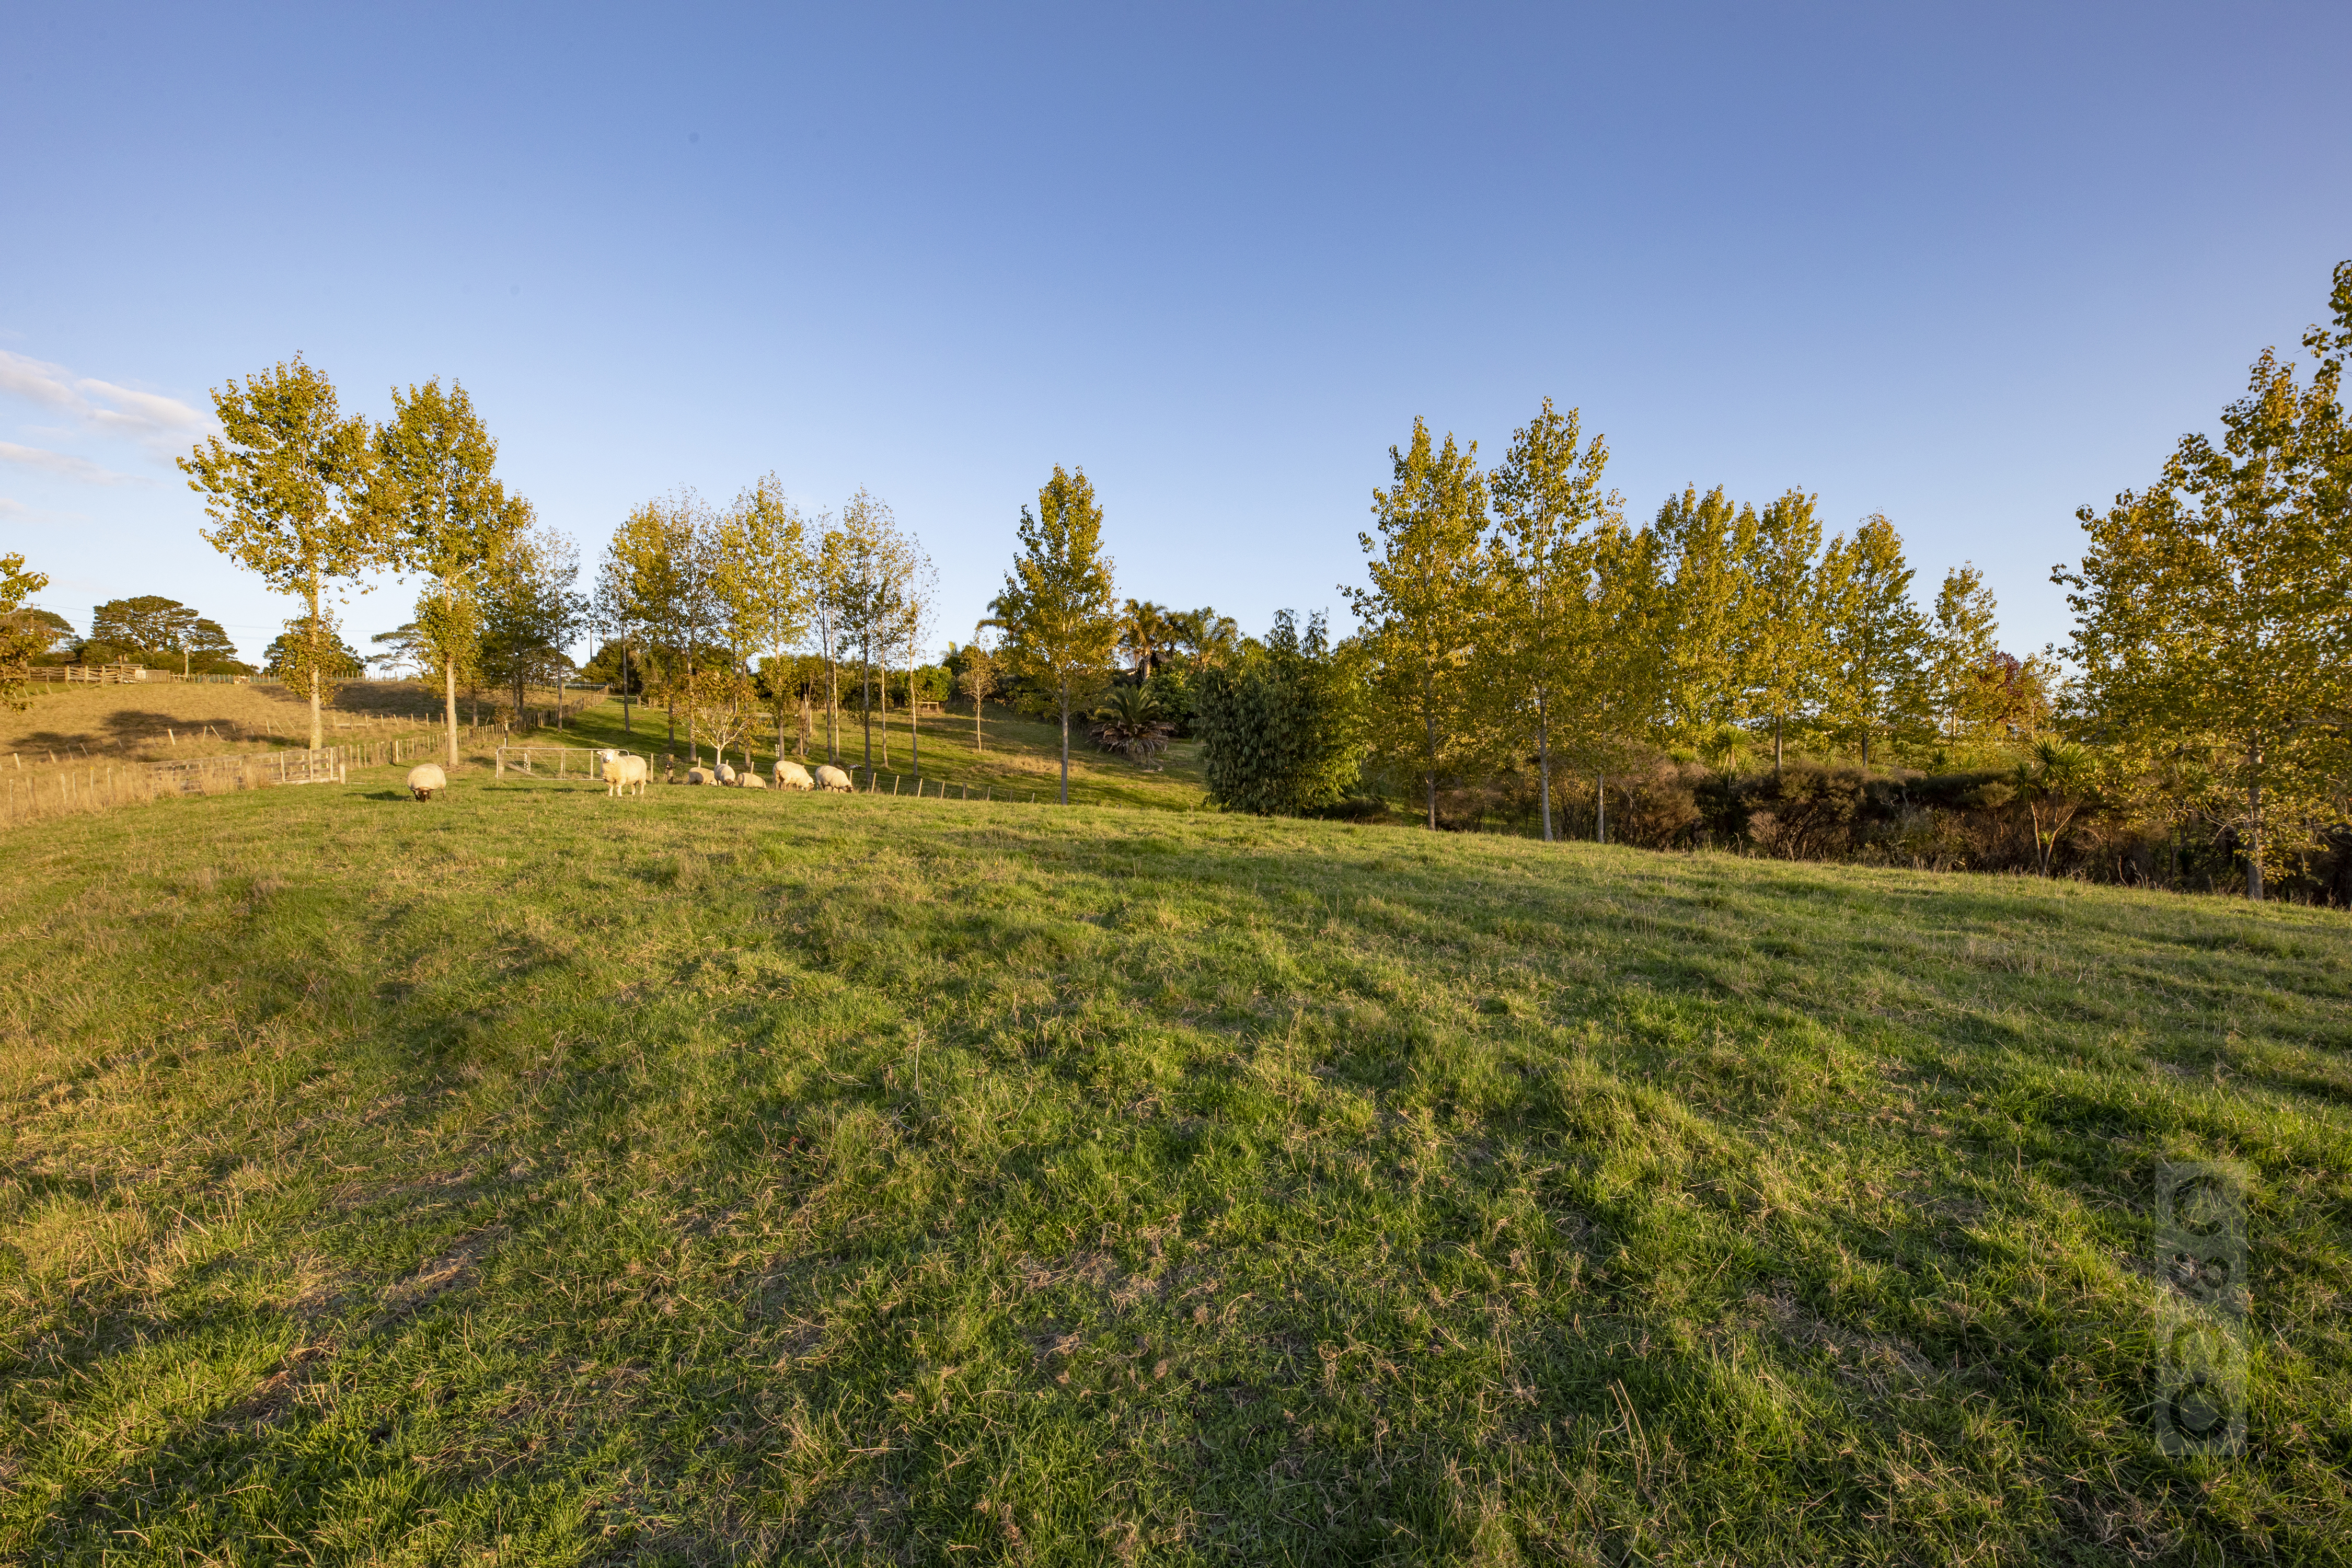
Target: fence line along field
[{"x": 533, "y": 1176}]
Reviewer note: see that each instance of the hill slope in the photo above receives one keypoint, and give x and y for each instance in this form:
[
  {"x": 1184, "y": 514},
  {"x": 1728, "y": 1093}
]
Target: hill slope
[{"x": 716, "y": 1176}]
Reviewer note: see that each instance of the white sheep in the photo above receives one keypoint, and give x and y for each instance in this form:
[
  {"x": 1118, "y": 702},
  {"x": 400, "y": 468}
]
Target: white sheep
[
  {"x": 832, "y": 778},
  {"x": 726, "y": 770},
  {"x": 698, "y": 775},
  {"x": 792, "y": 775},
  {"x": 425, "y": 778},
  {"x": 621, "y": 770},
  {"x": 749, "y": 780}
]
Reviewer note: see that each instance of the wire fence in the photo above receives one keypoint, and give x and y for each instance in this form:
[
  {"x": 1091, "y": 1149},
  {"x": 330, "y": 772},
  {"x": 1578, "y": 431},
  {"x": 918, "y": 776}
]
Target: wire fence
[{"x": 103, "y": 787}]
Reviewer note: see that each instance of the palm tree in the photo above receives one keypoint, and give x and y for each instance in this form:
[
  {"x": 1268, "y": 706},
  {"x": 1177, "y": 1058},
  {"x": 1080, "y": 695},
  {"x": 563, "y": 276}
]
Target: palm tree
[
  {"x": 1207, "y": 635},
  {"x": 1144, "y": 634},
  {"x": 1130, "y": 723}
]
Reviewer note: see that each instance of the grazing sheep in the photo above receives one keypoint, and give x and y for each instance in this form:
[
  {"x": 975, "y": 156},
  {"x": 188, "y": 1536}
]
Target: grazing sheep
[
  {"x": 832, "y": 778},
  {"x": 749, "y": 780},
  {"x": 792, "y": 775},
  {"x": 621, "y": 770},
  {"x": 425, "y": 778},
  {"x": 726, "y": 772},
  {"x": 699, "y": 775}
]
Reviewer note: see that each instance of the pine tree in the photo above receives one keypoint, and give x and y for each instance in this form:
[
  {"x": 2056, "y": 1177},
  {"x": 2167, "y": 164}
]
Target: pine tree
[{"x": 1422, "y": 614}]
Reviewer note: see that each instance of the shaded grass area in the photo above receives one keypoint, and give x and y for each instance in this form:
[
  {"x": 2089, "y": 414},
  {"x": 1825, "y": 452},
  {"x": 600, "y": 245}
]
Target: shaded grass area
[{"x": 575, "y": 1180}]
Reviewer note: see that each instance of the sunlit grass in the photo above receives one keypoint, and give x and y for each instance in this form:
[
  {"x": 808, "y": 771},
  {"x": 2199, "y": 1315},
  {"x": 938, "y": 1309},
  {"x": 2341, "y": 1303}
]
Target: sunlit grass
[{"x": 718, "y": 1176}]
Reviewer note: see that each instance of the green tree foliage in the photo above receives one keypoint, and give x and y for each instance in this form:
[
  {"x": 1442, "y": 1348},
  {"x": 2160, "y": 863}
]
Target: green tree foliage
[
  {"x": 764, "y": 577},
  {"x": 1702, "y": 550},
  {"x": 1422, "y": 612},
  {"x": 285, "y": 485},
  {"x": 453, "y": 521},
  {"x": 315, "y": 658},
  {"x": 1875, "y": 640},
  {"x": 148, "y": 627},
  {"x": 530, "y": 612},
  {"x": 1962, "y": 642},
  {"x": 974, "y": 670},
  {"x": 1281, "y": 726},
  {"x": 1057, "y": 611},
  {"x": 1147, "y": 632},
  {"x": 24, "y": 637},
  {"x": 1549, "y": 649},
  {"x": 2215, "y": 609},
  {"x": 1787, "y": 663},
  {"x": 654, "y": 592}
]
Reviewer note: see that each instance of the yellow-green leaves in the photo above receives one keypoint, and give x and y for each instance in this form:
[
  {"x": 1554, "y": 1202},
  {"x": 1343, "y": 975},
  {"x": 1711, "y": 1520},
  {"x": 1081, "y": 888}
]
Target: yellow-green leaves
[
  {"x": 1057, "y": 611},
  {"x": 449, "y": 518},
  {"x": 20, "y": 637},
  {"x": 1421, "y": 613},
  {"x": 286, "y": 487},
  {"x": 2215, "y": 610},
  {"x": 1558, "y": 672}
]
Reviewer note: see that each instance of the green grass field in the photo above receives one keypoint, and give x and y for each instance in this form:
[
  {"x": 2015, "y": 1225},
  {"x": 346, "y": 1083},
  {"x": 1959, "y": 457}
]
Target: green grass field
[{"x": 534, "y": 1177}]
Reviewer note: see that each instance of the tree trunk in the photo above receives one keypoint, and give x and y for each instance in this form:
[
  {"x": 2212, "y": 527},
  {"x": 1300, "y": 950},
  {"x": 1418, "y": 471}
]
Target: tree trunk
[
  {"x": 2254, "y": 838},
  {"x": 1429, "y": 776},
  {"x": 1065, "y": 743},
  {"x": 1543, "y": 764},
  {"x": 866, "y": 703},
  {"x": 914, "y": 724},
  {"x": 318, "y": 725},
  {"x": 1776, "y": 746},
  {"x": 1601, "y": 808},
  {"x": 625, "y": 686},
  {"x": 450, "y": 683}
]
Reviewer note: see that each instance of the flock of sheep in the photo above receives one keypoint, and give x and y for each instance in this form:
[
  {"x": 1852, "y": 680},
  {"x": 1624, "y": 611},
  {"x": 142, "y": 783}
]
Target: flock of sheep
[{"x": 625, "y": 772}]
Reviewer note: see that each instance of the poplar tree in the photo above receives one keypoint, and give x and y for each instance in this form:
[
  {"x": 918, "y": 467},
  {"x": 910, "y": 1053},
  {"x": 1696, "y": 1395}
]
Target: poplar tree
[
  {"x": 434, "y": 487},
  {"x": 2215, "y": 607},
  {"x": 1961, "y": 644},
  {"x": 765, "y": 580},
  {"x": 1876, "y": 636},
  {"x": 1550, "y": 638},
  {"x": 1701, "y": 545},
  {"x": 1780, "y": 611},
  {"x": 1058, "y": 613},
  {"x": 654, "y": 587},
  {"x": 286, "y": 488},
  {"x": 1422, "y": 612}
]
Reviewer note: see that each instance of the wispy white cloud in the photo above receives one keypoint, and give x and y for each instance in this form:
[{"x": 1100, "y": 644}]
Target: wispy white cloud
[
  {"x": 10, "y": 507},
  {"x": 161, "y": 426},
  {"x": 65, "y": 467}
]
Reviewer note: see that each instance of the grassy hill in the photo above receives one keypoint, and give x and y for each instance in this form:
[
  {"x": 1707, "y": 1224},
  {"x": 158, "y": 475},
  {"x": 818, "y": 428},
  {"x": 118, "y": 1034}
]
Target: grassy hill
[{"x": 531, "y": 1176}]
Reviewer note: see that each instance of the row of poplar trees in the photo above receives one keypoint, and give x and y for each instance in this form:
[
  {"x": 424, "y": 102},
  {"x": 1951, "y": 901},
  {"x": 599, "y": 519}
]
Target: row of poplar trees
[
  {"x": 315, "y": 502},
  {"x": 1513, "y": 613},
  {"x": 725, "y": 614}
]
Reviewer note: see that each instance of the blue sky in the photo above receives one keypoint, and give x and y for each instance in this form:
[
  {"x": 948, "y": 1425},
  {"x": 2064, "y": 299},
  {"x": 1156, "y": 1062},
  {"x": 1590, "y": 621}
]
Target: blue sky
[{"x": 1971, "y": 266}]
